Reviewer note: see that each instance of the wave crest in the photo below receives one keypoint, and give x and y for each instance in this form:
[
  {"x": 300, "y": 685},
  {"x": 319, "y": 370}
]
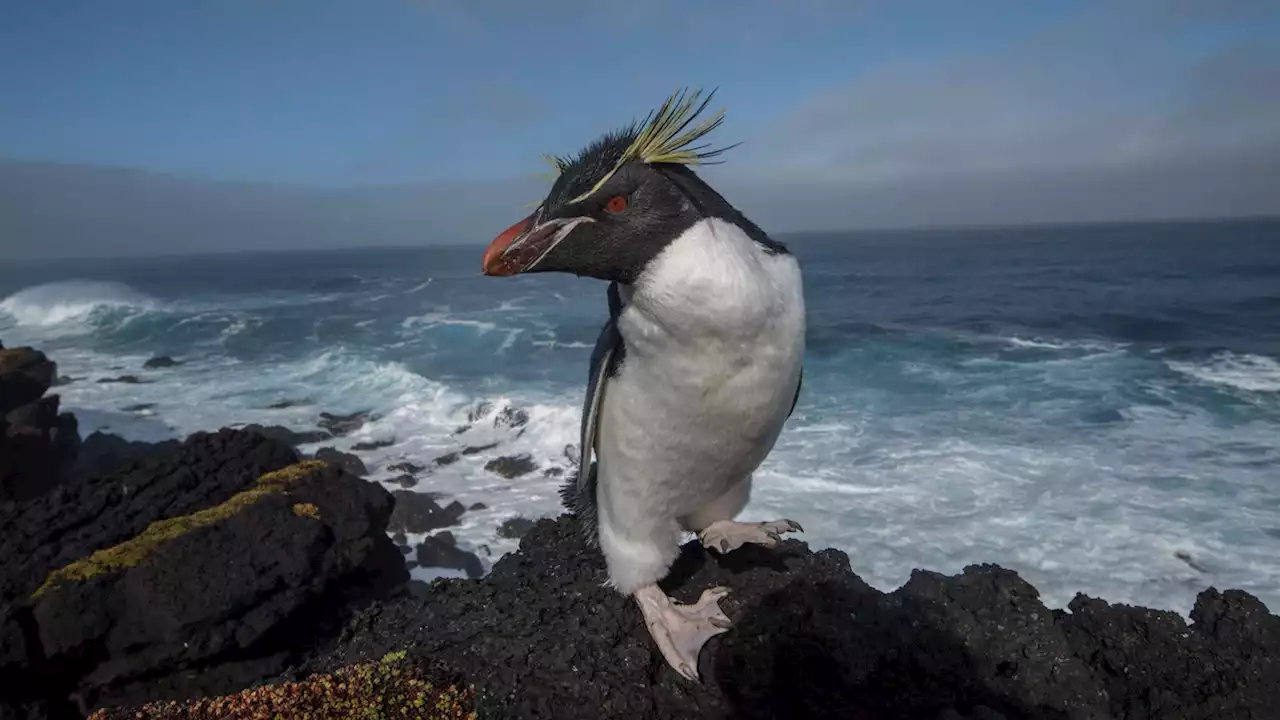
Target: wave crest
[
  {"x": 71, "y": 301},
  {"x": 1252, "y": 373}
]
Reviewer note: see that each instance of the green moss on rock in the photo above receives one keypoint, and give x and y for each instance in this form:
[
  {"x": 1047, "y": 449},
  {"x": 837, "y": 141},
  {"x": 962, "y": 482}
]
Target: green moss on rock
[{"x": 136, "y": 549}]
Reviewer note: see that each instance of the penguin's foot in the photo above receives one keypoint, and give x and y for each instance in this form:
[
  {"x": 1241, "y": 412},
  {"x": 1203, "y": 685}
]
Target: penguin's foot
[
  {"x": 729, "y": 535},
  {"x": 680, "y": 631}
]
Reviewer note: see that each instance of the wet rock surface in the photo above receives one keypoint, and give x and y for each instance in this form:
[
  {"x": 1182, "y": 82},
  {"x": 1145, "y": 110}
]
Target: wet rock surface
[
  {"x": 287, "y": 435},
  {"x": 343, "y": 424},
  {"x": 124, "y": 379},
  {"x": 511, "y": 466},
  {"x": 417, "y": 512},
  {"x": 540, "y": 637},
  {"x": 516, "y": 527},
  {"x": 407, "y": 468},
  {"x": 344, "y": 460},
  {"x": 441, "y": 551},
  {"x": 161, "y": 361}
]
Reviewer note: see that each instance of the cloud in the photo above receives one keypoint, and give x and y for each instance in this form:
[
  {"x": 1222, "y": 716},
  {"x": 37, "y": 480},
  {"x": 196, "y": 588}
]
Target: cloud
[{"x": 1079, "y": 95}]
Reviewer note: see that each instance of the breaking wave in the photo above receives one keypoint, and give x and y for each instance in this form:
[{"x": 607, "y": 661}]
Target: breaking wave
[{"x": 73, "y": 303}]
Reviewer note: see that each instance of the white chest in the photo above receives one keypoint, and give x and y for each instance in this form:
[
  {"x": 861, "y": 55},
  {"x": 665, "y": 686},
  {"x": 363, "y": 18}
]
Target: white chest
[
  {"x": 714, "y": 334},
  {"x": 715, "y": 297}
]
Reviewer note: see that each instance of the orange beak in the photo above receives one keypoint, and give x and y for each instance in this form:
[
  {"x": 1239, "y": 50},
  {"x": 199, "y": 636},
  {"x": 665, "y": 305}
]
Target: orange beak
[
  {"x": 524, "y": 244},
  {"x": 496, "y": 262}
]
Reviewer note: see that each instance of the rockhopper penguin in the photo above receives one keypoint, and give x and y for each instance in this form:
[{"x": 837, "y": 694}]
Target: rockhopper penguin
[{"x": 696, "y": 370}]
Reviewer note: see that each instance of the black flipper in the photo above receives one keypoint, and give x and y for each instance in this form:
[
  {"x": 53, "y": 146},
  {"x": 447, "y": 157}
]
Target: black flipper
[
  {"x": 579, "y": 493},
  {"x": 796, "y": 399}
]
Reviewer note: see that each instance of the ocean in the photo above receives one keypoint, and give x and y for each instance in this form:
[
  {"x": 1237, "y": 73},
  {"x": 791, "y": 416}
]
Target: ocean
[{"x": 1096, "y": 407}]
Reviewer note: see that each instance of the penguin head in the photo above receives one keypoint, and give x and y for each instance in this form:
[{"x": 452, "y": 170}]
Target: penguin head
[{"x": 618, "y": 202}]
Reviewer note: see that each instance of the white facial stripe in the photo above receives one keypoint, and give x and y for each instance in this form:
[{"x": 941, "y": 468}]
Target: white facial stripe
[{"x": 561, "y": 235}]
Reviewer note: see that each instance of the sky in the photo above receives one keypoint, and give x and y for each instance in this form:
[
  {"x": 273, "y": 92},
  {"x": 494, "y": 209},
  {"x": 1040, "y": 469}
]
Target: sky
[{"x": 916, "y": 112}]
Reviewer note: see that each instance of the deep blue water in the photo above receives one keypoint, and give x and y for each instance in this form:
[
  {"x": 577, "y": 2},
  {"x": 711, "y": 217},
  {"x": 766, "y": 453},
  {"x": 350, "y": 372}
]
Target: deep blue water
[{"x": 1082, "y": 404}]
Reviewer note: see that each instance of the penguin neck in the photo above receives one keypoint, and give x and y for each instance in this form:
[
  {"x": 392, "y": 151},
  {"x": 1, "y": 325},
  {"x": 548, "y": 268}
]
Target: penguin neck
[{"x": 710, "y": 204}]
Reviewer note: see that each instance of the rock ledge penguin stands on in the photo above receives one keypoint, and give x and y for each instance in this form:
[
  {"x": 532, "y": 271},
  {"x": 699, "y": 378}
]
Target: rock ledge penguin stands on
[{"x": 697, "y": 369}]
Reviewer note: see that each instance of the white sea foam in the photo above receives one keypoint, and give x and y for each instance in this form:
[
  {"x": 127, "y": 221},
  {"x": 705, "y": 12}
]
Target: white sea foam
[
  {"x": 1252, "y": 373},
  {"x": 67, "y": 306},
  {"x": 1039, "y": 343},
  {"x": 963, "y": 466},
  {"x": 436, "y": 319}
]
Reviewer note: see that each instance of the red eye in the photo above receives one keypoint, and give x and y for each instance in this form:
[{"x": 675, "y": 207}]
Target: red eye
[{"x": 616, "y": 204}]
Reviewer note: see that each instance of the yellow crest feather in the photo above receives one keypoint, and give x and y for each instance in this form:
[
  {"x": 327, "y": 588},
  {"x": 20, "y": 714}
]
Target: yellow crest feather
[{"x": 663, "y": 137}]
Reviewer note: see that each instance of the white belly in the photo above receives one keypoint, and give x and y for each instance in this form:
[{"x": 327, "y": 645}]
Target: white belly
[{"x": 714, "y": 336}]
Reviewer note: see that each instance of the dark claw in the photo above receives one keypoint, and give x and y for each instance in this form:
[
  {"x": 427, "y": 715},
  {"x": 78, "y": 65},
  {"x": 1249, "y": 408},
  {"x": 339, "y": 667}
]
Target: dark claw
[{"x": 796, "y": 526}]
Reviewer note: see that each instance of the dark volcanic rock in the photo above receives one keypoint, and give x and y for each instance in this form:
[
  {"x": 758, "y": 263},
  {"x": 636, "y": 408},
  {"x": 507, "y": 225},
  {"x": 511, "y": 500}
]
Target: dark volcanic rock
[
  {"x": 139, "y": 407},
  {"x": 287, "y": 436},
  {"x": 346, "y": 461},
  {"x": 126, "y": 379},
  {"x": 38, "y": 445},
  {"x": 286, "y": 403},
  {"x": 447, "y": 459},
  {"x": 74, "y": 520},
  {"x": 507, "y": 417},
  {"x": 405, "y": 481},
  {"x": 512, "y": 466},
  {"x": 810, "y": 639},
  {"x": 161, "y": 361},
  {"x": 511, "y": 417},
  {"x": 25, "y": 375},
  {"x": 406, "y": 467},
  {"x": 373, "y": 444},
  {"x": 218, "y": 602},
  {"x": 419, "y": 512},
  {"x": 38, "y": 448},
  {"x": 516, "y": 527},
  {"x": 103, "y": 453},
  {"x": 435, "y": 552},
  {"x": 477, "y": 449},
  {"x": 478, "y": 506},
  {"x": 343, "y": 424}
]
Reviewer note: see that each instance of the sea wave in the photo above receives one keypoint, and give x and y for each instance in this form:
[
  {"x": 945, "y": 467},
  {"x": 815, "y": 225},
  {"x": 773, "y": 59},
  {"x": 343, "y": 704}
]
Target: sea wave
[
  {"x": 1251, "y": 373},
  {"x": 73, "y": 304}
]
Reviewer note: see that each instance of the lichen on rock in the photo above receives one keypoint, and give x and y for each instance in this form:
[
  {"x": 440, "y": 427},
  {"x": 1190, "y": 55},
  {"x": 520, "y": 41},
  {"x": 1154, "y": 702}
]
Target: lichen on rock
[
  {"x": 136, "y": 549},
  {"x": 392, "y": 687},
  {"x": 308, "y": 510}
]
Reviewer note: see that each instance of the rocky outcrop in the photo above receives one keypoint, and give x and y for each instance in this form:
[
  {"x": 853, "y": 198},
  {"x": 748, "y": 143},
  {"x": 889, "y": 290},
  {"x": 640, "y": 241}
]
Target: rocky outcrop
[
  {"x": 512, "y": 466},
  {"x": 161, "y": 361},
  {"x": 419, "y": 512},
  {"x": 287, "y": 435},
  {"x": 441, "y": 551},
  {"x": 102, "y": 453},
  {"x": 346, "y": 461},
  {"x": 185, "y": 573},
  {"x": 540, "y": 637},
  {"x": 38, "y": 444},
  {"x": 343, "y": 424}
]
